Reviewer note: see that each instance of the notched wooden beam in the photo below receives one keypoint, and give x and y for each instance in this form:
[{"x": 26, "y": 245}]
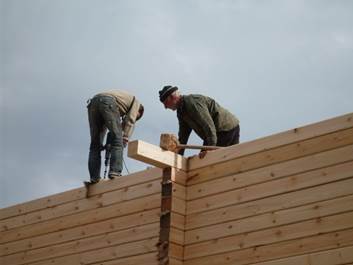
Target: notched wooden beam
[{"x": 155, "y": 155}]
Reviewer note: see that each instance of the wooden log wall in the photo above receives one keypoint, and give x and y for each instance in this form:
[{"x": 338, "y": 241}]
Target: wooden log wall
[
  {"x": 286, "y": 199},
  {"x": 118, "y": 224},
  {"x": 282, "y": 200}
]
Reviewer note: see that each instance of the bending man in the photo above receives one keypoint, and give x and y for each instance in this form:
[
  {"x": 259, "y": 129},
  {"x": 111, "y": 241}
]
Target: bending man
[
  {"x": 215, "y": 125},
  {"x": 116, "y": 111}
]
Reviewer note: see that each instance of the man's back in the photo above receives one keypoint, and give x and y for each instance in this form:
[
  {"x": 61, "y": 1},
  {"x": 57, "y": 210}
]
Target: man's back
[
  {"x": 195, "y": 105},
  {"x": 205, "y": 116}
]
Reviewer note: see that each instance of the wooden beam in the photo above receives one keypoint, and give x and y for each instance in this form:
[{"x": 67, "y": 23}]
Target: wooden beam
[
  {"x": 145, "y": 259},
  {"x": 105, "y": 199},
  {"x": 98, "y": 256},
  {"x": 176, "y": 220},
  {"x": 270, "y": 219},
  {"x": 273, "y": 156},
  {"x": 266, "y": 237},
  {"x": 155, "y": 155},
  {"x": 320, "y": 242},
  {"x": 85, "y": 244},
  {"x": 271, "y": 188},
  {"x": 176, "y": 236},
  {"x": 76, "y": 233},
  {"x": 176, "y": 251},
  {"x": 284, "y": 138},
  {"x": 272, "y": 172},
  {"x": 77, "y": 194},
  {"x": 330, "y": 257},
  {"x": 269, "y": 204},
  {"x": 173, "y": 261},
  {"x": 179, "y": 176},
  {"x": 91, "y": 216}
]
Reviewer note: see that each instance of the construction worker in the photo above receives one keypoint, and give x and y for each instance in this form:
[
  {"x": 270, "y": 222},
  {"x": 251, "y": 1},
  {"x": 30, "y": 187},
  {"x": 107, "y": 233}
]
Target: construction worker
[
  {"x": 116, "y": 111},
  {"x": 215, "y": 125}
]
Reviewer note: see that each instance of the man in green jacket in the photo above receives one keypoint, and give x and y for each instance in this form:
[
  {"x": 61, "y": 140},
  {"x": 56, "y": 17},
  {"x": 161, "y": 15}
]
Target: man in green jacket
[
  {"x": 118, "y": 112},
  {"x": 215, "y": 125}
]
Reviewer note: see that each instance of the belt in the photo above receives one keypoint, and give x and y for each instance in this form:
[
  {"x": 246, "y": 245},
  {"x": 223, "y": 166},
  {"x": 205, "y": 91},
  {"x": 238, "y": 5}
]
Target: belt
[{"x": 98, "y": 98}]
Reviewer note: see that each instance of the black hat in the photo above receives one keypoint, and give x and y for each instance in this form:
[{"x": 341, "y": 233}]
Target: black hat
[{"x": 166, "y": 92}]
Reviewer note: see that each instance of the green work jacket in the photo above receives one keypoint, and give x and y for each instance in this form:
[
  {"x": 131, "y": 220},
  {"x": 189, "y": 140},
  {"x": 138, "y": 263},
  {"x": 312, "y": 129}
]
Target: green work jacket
[{"x": 205, "y": 116}]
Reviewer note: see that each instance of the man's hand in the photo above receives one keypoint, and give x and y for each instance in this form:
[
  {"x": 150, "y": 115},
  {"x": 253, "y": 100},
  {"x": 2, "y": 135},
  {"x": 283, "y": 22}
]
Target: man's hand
[
  {"x": 202, "y": 154},
  {"x": 125, "y": 141}
]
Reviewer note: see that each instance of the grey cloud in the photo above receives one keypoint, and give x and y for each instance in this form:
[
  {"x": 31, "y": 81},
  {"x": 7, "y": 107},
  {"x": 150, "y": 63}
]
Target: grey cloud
[{"x": 275, "y": 64}]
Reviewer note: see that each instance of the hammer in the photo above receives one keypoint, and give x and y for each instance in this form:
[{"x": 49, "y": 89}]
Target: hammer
[{"x": 170, "y": 142}]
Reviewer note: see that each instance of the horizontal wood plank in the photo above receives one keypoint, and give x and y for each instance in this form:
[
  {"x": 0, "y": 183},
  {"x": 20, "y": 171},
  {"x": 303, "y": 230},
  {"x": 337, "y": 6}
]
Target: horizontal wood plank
[
  {"x": 283, "y": 138},
  {"x": 145, "y": 259},
  {"x": 176, "y": 236},
  {"x": 80, "y": 193},
  {"x": 279, "y": 202},
  {"x": 178, "y": 206},
  {"x": 87, "y": 217},
  {"x": 268, "y": 173},
  {"x": 278, "y": 250},
  {"x": 337, "y": 256},
  {"x": 273, "y": 156},
  {"x": 179, "y": 191},
  {"x": 272, "y": 219},
  {"x": 105, "y": 199},
  {"x": 83, "y": 245},
  {"x": 105, "y": 254},
  {"x": 177, "y": 220},
  {"x": 80, "y": 232},
  {"x": 156, "y": 156},
  {"x": 173, "y": 261},
  {"x": 271, "y": 188},
  {"x": 179, "y": 176},
  {"x": 176, "y": 251},
  {"x": 270, "y": 236}
]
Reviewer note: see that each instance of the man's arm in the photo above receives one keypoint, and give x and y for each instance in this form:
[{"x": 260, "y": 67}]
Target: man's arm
[
  {"x": 184, "y": 134},
  {"x": 198, "y": 110},
  {"x": 130, "y": 119}
]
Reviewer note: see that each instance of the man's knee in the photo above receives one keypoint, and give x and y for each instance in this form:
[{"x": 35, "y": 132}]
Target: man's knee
[
  {"x": 95, "y": 147},
  {"x": 116, "y": 139}
]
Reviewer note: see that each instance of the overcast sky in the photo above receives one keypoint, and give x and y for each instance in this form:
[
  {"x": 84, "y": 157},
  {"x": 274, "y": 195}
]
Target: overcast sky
[{"x": 276, "y": 65}]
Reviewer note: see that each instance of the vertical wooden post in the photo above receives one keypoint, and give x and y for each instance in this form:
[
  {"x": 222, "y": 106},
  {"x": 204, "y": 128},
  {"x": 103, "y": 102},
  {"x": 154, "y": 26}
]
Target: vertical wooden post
[
  {"x": 172, "y": 217},
  {"x": 165, "y": 218}
]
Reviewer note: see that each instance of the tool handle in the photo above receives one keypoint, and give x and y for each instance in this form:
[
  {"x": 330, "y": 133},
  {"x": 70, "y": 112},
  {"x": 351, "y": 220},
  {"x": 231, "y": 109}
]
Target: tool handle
[{"x": 204, "y": 147}]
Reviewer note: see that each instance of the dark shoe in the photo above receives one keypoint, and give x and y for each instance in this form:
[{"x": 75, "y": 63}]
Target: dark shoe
[
  {"x": 113, "y": 175},
  {"x": 88, "y": 183}
]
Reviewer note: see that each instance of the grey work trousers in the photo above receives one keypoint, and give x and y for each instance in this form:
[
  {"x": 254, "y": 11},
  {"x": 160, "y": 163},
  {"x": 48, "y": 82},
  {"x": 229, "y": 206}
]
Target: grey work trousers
[{"x": 103, "y": 114}]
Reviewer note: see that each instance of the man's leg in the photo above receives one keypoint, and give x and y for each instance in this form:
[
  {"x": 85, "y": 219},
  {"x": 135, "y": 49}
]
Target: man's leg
[
  {"x": 97, "y": 133},
  {"x": 228, "y": 138},
  {"x": 111, "y": 116},
  {"x": 236, "y": 135}
]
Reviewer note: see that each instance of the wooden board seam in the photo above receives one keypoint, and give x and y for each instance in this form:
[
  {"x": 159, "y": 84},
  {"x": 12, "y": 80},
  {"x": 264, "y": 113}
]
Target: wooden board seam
[{"x": 270, "y": 180}]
